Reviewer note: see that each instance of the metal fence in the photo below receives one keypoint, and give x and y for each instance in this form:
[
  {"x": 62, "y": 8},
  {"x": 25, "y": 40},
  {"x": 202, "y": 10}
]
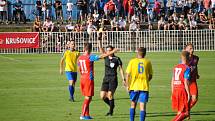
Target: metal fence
[{"x": 126, "y": 41}]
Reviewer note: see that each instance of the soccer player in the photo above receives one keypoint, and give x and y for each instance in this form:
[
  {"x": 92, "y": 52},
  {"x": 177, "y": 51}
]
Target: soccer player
[
  {"x": 194, "y": 75},
  {"x": 180, "y": 88},
  {"x": 70, "y": 57},
  {"x": 139, "y": 73},
  {"x": 110, "y": 81},
  {"x": 86, "y": 68}
]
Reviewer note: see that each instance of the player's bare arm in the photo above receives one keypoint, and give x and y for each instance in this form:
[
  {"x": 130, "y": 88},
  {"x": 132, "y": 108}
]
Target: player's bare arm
[
  {"x": 101, "y": 49},
  {"x": 186, "y": 83},
  {"x": 122, "y": 75},
  {"x": 150, "y": 77},
  {"x": 127, "y": 80},
  {"x": 107, "y": 54},
  {"x": 61, "y": 65},
  {"x": 198, "y": 76},
  {"x": 172, "y": 84}
]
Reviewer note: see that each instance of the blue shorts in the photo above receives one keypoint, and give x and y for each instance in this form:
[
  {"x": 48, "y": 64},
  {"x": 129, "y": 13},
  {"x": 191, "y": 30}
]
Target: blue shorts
[
  {"x": 71, "y": 75},
  {"x": 139, "y": 96}
]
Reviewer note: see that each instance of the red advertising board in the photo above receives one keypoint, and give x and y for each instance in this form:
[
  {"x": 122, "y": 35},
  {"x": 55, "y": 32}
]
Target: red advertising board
[{"x": 19, "y": 40}]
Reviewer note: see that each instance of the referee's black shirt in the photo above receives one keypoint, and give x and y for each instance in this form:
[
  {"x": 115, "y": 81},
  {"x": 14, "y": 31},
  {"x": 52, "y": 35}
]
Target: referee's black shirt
[{"x": 111, "y": 66}]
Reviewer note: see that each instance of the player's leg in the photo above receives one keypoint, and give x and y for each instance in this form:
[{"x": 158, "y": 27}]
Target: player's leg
[
  {"x": 132, "y": 110},
  {"x": 143, "y": 99},
  {"x": 112, "y": 88},
  {"x": 142, "y": 111},
  {"x": 180, "y": 116},
  {"x": 71, "y": 89},
  {"x": 182, "y": 106},
  {"x": 72, "y": 77},
  {"x": 87, "y": 89},
  {"x": 104, "y": 91},
  {"x": 103, "y": 95},
  {"x": 193, "y": 93},
  {"x": 85, "y": 108},
  {"x": 111, "y": 103},
  {"x": 134, "y": 98}
]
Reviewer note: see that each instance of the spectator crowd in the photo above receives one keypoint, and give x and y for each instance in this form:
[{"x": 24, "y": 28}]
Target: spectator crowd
[{"x": 117, "y": 15}]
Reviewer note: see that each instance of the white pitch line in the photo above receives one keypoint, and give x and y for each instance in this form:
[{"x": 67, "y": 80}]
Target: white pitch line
[{"x": 9, "y": 58}]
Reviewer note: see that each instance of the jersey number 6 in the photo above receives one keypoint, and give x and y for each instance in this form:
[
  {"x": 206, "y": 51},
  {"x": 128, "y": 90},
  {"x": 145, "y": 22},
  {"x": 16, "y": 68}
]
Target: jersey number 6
[{"x": 140, "y": 68}]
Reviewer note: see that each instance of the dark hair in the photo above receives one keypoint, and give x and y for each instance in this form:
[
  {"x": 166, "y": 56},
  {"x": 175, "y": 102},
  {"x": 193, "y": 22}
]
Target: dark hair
[
  {"x": 72, "y": 40},
  {"x": 48, "y": 18},
  {"x": 110, "y": 46},
  {"x": 189, "y": 44},
  {"x": 88, "y": 47},
  {"x": 142, "y": 51}
]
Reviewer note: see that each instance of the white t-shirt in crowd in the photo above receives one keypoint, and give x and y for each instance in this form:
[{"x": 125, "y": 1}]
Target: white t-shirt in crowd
[
  {"x": 2, "y": 5},
  {"x": 122, "y": 23},
  {"x": 70, "y": 27},
  {"x": 69, "y": 6},
  {"x": 133, "y": 26},
  {"x": 213, "y": 3},
  {"x": 48, "y": 24}
]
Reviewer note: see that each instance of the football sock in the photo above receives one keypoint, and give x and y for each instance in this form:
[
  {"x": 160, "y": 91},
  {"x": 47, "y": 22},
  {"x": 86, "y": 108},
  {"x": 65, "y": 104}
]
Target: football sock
[
  {"x": 132, "y": 114},
  {"x": 192, "y": 103},
  {"x": 179, "y": 117},
  {"x": 112, "y": 105},
  {"x": 142, "y": 115},
  {"x": 88, "y": 108},
  {"x": 71, "y": 91},
  {"x": 106, "y": 100},
  {"x": 85, "y": 107}
]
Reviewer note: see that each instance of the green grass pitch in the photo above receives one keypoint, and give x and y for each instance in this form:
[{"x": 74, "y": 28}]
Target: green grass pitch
[{"x": 31, "y": 89}]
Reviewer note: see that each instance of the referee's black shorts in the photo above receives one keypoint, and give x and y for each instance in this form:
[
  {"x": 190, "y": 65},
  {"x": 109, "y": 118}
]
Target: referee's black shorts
[{"x": 109, "y": 84}]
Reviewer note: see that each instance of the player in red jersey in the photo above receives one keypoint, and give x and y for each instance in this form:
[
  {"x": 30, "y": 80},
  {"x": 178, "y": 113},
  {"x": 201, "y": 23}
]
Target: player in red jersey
[
  {"x": 180, "y": 88},
  {"x": 86, "y": 68},
  {"x": 194, "y": 75}
]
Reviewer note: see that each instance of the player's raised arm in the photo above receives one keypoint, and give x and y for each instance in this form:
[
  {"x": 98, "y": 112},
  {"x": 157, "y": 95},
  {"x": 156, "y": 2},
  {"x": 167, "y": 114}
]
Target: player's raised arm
[
  {"x": 101, "y": 49},
  {"x": 107, "y": 54}
]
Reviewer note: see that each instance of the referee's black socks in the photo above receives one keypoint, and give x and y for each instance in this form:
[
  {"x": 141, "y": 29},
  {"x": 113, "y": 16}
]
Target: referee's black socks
[
  {"x": 106, "y": 100},
  {"x": 112, "y": 105}
]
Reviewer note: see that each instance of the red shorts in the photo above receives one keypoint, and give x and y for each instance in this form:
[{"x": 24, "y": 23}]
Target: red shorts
[
  {"x": 193, "y": 88},
  {"x": 179, "y": 100},
  {"x": 87, "y": 87}
]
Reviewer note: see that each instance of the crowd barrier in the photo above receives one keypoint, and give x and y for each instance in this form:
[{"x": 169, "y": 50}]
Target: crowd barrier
[{"x": 126, "y": 41}]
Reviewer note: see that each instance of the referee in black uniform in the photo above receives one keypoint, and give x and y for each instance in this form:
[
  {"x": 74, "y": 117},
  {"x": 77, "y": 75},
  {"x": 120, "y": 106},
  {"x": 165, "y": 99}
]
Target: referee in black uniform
[{"x": 110, "y": 81}]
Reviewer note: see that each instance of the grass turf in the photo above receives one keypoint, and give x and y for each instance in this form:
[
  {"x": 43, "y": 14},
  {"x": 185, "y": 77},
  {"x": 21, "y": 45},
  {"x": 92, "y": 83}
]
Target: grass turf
[{"x": 31, "y": 89}]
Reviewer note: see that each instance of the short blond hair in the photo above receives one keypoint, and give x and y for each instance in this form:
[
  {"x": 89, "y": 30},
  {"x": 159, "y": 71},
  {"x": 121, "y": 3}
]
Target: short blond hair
[{"x": 185, "y": 54}]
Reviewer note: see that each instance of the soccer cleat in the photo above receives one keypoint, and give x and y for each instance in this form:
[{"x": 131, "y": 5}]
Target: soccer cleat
[
  {"x": 187, "y": 115},
  {"x": 82, "y": 118},
  {"x": 86, "y": 118},
  {"x": 72, "y": 100},
  {"x": 109, "y": 114}
]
